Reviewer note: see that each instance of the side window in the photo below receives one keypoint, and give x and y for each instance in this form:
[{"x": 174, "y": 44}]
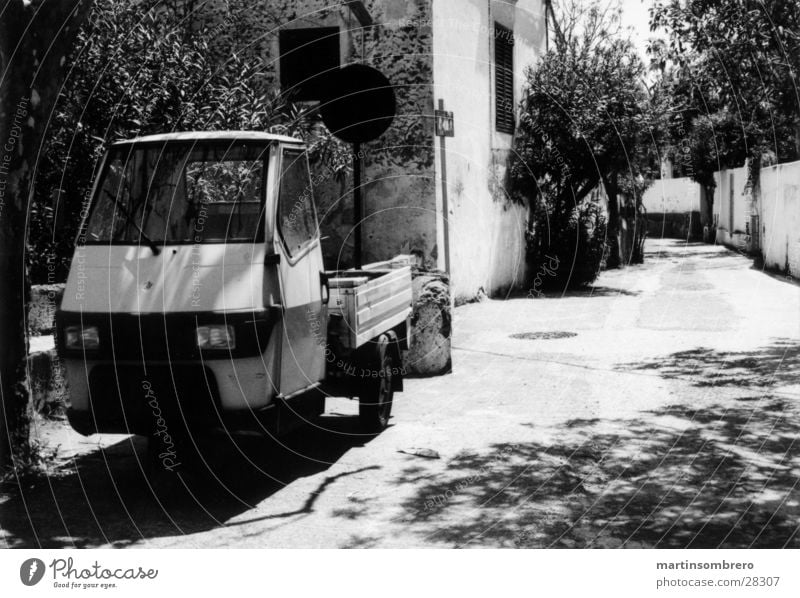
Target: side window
[{"x": 297, "y": 221}]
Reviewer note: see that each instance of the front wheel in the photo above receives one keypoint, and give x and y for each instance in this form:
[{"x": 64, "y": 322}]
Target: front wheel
[{"x": 376, "y": 393}]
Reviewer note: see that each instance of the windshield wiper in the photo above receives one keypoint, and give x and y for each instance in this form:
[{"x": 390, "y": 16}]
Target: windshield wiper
[{"x": 130, "y": 220}]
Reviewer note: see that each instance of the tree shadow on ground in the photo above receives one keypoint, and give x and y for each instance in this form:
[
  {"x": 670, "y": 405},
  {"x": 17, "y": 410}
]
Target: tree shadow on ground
[
  {"x": 110, "y": 496},
  {"x": 674, "y": 478},
  {"x": 769, "y": 366},
  {"x": 692, "y": 255}
]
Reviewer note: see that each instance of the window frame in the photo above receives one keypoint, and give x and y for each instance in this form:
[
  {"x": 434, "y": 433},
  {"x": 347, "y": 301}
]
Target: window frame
[
  {"x": 314, "y": 240},
  {"x": 83, "y": 238}
]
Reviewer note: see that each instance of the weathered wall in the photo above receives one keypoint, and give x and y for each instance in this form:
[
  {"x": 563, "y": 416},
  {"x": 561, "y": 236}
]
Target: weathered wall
[
  {"x": 399, "y": 200},
  {"x": 486, "y": 229},
  {"x": 780, "y": 217},
  {"x": 398, "y": 196}
]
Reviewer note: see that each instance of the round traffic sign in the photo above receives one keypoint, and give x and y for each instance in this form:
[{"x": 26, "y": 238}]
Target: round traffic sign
[{"x": 360, "y": 104}]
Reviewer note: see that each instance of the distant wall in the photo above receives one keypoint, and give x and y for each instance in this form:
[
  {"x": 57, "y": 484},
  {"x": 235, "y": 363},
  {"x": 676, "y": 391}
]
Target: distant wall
[
  {"x": 674, "y": 208},
  {"x": 683, "y": 225},
  {"x": 672, "y": 196}
]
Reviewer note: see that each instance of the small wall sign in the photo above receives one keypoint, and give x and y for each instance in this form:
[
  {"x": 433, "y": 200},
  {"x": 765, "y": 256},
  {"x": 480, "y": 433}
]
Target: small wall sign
[{"x": 444, "y": 123}]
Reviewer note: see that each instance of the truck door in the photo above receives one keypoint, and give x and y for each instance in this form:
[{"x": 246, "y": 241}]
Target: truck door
[{"x": 305, "y": 315}]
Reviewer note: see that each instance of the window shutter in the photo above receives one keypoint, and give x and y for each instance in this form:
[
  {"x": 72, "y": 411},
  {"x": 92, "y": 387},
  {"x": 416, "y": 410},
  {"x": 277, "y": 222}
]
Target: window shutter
[
  {"x": 504, "y": 79},
  {"x": 307, "y": 57}
]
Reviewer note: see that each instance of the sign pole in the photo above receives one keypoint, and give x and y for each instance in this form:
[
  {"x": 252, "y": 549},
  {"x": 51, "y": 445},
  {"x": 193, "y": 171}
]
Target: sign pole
[
  {"x": 442, "y": 133},
  {"x": 359, "y": 107},
  {"x": 357, "y": 205}
]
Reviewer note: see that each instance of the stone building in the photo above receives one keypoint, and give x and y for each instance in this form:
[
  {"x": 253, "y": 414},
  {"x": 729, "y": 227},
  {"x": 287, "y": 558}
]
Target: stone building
[{"x": 467, "y": 55}]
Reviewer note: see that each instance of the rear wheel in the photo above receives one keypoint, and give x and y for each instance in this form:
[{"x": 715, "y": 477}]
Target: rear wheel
[{"x": 376, "y": 395}]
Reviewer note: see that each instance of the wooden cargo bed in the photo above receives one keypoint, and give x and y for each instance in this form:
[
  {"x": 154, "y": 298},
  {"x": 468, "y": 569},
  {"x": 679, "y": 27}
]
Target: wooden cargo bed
[{"x": 369, "y": 301}]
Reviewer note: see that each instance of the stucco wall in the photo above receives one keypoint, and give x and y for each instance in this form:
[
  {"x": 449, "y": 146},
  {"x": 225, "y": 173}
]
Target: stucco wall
[
  {"x": 486, "y": 228},
  {"x": 780, "y": 217},
  {"x": 730, "y": 199}
]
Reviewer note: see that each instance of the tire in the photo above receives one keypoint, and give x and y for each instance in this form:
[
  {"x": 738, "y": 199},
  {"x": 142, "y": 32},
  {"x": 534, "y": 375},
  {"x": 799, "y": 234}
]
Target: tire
[{"x": 376, "y": 394}]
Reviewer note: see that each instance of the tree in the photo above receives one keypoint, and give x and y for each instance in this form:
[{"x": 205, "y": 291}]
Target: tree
[
  {"x": 733, "y": 64},
  {"x": 698, "y": 137},
  {"x": 140, "y": 68},
  {"x": 35, "y": 39},
  {"x": 584, "y": 124}
]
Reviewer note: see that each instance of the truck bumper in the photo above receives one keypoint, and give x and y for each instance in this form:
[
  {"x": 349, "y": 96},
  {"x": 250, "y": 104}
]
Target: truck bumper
[
  {"x": 265, "y": 421},
  {"x": 131, "y": 399}
]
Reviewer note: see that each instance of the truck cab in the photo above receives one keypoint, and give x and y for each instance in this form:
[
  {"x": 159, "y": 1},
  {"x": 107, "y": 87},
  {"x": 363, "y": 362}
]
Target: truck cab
[{"x": 197, "y": 298}]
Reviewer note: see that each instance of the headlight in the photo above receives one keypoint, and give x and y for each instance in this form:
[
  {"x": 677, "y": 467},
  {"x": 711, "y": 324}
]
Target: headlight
[
  {"x": 81, "y": 337},
  {"x": 216, "y": 336}
]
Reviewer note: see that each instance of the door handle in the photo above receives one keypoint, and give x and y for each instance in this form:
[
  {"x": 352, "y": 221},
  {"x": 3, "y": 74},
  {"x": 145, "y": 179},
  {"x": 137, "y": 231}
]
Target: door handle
[{"x": 324, "y": 282}]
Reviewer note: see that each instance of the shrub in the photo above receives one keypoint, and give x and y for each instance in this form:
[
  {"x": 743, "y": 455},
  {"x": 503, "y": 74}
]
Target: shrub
[{"x": 565, "y": 251}]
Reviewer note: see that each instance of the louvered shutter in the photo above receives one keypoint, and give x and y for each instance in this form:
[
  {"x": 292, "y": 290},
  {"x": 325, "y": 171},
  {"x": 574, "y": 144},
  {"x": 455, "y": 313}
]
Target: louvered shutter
[{"x": 504, "y": 79}]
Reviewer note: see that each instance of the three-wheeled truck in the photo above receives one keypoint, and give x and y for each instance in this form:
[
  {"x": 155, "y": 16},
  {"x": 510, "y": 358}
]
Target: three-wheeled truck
[{"x": 197, "y": 300}]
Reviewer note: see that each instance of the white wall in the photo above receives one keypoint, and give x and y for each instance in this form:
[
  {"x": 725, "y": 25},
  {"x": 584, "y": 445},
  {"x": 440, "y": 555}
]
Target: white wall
[
  {"x": 487, "y": 231},
  {"x": 780, "y": 216},
  {"x": 672, "y": 196}
]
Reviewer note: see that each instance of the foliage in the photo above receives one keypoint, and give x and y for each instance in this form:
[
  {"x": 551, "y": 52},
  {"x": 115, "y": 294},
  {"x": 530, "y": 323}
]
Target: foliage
[
  {"x": 730, "y": 68},
  {"x": 585, "y": 123},
  {"x": 29, "y": 460},
  {"x": 142, "y": 68},
  {"x": 568, "y": 251},
  {"x": 699, "y": 142}
]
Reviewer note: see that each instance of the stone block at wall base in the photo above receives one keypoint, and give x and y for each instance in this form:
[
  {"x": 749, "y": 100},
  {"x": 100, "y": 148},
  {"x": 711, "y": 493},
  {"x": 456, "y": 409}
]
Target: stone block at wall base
[
  {"x": 47, "y": 383},
  {"x": 431, "y": 325},
  {"x": 45, "y": 298}
]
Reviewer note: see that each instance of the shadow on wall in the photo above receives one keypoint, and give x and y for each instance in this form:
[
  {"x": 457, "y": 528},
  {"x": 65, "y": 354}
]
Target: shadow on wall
[
  {"x": 674, "y": 478},
  {"x": 685, "y": 225},
  {"x": 560, "y": 293}
]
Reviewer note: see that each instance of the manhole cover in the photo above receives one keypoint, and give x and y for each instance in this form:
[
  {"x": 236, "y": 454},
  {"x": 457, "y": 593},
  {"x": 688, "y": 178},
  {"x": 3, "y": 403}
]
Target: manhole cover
[{"x": 534, "y": 336}]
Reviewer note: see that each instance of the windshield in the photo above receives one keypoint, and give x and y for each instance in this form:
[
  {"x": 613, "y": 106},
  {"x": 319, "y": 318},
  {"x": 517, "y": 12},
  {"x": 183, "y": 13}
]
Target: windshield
[{"x": 180, "y": 193}]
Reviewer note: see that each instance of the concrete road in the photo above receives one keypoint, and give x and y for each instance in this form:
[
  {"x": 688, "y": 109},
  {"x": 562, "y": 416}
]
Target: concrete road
[{"x": 659, "y": 409}]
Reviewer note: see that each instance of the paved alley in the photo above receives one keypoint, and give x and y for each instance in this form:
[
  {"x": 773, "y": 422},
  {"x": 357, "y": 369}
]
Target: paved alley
[{"x": 660, "y": 408}]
